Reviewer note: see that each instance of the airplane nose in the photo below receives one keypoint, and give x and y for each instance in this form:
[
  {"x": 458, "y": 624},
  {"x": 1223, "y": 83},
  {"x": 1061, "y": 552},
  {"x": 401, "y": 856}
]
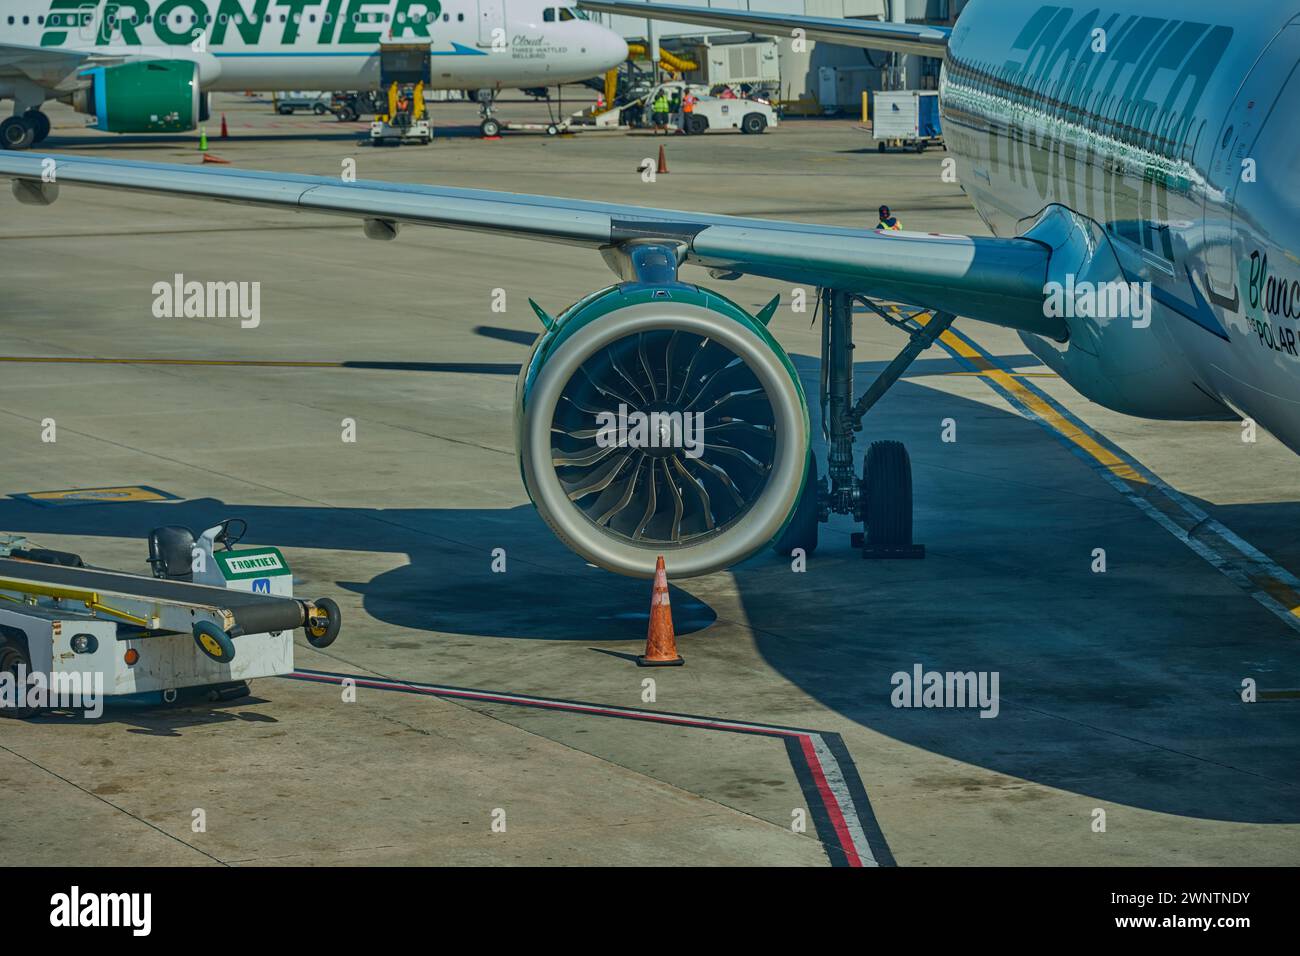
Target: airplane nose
[{"x": 610, "y": 47}]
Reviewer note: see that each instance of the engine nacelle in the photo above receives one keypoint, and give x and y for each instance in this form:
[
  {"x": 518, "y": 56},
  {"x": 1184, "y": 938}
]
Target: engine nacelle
[
  {"x": 661, "y": 420},
  {"x": 148, "y": 96}
]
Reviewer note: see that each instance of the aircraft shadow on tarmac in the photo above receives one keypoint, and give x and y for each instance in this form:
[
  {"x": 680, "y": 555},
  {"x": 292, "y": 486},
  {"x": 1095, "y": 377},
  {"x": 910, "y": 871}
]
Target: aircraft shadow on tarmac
[{"x": 1122, "y": 687}]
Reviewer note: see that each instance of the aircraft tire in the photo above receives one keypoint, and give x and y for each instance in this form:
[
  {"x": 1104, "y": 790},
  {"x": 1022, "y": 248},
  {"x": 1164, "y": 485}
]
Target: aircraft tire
[
  {"x": 887, "y": 495},
  {"x": 802, "y": 530},
  {"x": 16, "y": 133},
  {"x": 40, "y": 125}
]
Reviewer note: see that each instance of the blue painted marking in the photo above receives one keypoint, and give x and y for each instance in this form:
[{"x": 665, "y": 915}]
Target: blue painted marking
[
  {"x": 1199, "y": 311},
  {"x": 262, "y": 586},
  {"x": 457, "y": 49}
]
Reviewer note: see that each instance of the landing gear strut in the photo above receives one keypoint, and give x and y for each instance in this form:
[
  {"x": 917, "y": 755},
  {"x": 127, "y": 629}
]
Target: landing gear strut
[
  {"x": 489, "y": 126},
  {"x": 882, "y": 498}
]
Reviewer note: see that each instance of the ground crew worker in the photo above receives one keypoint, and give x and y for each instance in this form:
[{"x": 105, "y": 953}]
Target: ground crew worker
[
  {"x": 887, "y": 221},
  {"x": 659, "y": 112},
  {"x": 688, "y": 109}
]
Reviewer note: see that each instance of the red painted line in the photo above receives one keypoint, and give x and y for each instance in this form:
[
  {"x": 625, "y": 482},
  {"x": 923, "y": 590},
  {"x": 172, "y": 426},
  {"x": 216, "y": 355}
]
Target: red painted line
[
  {"x": 829, "y": 802},
  {"x": 828, "y": 798}
]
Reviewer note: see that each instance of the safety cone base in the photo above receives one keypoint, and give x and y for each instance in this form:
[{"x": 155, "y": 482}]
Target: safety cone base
[{"x": 643, "y": 661}]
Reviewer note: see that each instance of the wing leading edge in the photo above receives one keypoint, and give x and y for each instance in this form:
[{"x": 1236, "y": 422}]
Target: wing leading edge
[
  {"x": 870, "y": 34},
  {"x": 994, "y": 280}
]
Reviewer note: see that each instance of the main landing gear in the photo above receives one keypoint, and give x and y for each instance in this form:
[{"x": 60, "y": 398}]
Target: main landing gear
[
  {"x": 23, "y": 130},
  {"x": 881, "y": 499}
]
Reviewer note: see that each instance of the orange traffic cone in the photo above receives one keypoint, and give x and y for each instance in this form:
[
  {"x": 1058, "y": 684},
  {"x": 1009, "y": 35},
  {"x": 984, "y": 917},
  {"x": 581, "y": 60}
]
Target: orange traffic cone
[
  {"x": 210, "y": 158},
  {"x": 660, "y": 641},
  {"x": 663, "y": 168},
  {"x": 225, "y": 133}
]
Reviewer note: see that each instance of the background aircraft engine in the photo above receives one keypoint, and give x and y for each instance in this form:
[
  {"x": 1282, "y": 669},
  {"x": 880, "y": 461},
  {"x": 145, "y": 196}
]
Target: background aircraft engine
[
  {"x": 662, "y": 420},
  {"x": 148, "y": 96}
]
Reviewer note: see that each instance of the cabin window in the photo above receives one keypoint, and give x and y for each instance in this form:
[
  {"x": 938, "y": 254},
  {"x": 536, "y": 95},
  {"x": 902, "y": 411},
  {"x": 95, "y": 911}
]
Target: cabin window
[{"x": 549, "y": 14}]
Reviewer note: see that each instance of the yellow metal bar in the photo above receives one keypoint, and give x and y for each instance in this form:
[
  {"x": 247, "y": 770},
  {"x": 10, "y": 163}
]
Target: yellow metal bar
[
  {"x": 96, "y": 606},
  {"x": 49, "y": 590}
]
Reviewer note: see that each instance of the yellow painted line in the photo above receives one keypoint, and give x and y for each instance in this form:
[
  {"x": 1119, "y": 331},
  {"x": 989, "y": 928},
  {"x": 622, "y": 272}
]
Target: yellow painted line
[
  {"x": 1062, "y": 426},
  {"x": 1279, "y": 592},
  {"x": 82, "y": 360},
  {"x": 1015, "y": 374},
  {"x": 1285, "y": 596},
  {"x": 1279, "y": 695}
]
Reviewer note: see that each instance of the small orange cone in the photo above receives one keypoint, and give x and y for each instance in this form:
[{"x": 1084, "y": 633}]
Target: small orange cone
[
  {"x": 210, "y": 158},
  {"x": 225, "y": 133},
  {"x": 660, "y": 641},
  {"x": 663, "y": 168}
]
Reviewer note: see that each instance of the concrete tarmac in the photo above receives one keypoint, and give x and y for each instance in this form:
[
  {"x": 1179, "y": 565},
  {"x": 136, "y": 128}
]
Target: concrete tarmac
[{"x": 1120, "y": 738}]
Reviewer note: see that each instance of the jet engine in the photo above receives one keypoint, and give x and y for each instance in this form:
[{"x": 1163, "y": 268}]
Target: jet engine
[
  {"x": 146, "y": 96},
  {"x": 661, "y": 420}
]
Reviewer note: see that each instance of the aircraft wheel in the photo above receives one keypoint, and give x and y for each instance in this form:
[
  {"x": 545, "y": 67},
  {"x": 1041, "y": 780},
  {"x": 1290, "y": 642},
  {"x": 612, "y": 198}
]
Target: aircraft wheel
[
  {"x": 552, "y": 130},
  {"x": 13, "y": 655},
  {"x": 16, "y": 133},
  {"x": 323, "y": 625},
  {"x": 40, "y": 125},
  {"x": 801, "y": 532},
  {"x": 214, "y": 642},
  {"x": 490, "y": 128},
  {"x": 887, "y": 495}
]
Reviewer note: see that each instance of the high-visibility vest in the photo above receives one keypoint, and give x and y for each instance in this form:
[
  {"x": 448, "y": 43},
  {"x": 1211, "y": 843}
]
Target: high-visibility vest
[{"x": 893, "y": 224}]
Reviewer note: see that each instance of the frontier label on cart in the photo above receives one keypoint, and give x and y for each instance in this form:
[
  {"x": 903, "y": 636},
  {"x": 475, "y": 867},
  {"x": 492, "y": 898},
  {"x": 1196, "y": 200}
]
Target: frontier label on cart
[{"x": 252, "y": 563}]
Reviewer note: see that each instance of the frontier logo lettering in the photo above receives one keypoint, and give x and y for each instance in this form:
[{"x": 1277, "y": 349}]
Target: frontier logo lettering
[
  {"x": 254, "y": 562},
  {"x": 75, "y": 909}
]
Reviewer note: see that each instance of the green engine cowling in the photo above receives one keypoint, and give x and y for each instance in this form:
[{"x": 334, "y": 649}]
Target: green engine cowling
[
  {"x": 662, "y": 420},
  {"x": 149, "y": 96}
]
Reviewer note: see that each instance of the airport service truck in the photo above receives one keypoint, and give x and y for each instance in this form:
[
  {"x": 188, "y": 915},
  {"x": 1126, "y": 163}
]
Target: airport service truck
[{"x": 906, "y": 118}]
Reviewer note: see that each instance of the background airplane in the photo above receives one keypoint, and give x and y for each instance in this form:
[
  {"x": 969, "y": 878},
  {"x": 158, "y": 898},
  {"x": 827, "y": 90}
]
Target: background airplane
[
  {"x": 1155, "y": 151},
  {"x": 141, "y": 66}
]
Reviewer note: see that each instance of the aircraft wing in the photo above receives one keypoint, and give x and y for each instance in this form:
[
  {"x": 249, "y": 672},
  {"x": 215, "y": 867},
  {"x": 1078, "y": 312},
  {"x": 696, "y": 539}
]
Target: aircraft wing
[
  {"x": 995, "y": 280},
  {"x": 46, "y": 66},
  {"x": 871, "y": 34}
]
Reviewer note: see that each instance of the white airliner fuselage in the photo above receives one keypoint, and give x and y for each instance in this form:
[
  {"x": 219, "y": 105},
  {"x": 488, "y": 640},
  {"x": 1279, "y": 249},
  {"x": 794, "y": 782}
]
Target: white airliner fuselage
[
  {"x": 1172, "y": 131},
  {"x": 299, "y": 44}
]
